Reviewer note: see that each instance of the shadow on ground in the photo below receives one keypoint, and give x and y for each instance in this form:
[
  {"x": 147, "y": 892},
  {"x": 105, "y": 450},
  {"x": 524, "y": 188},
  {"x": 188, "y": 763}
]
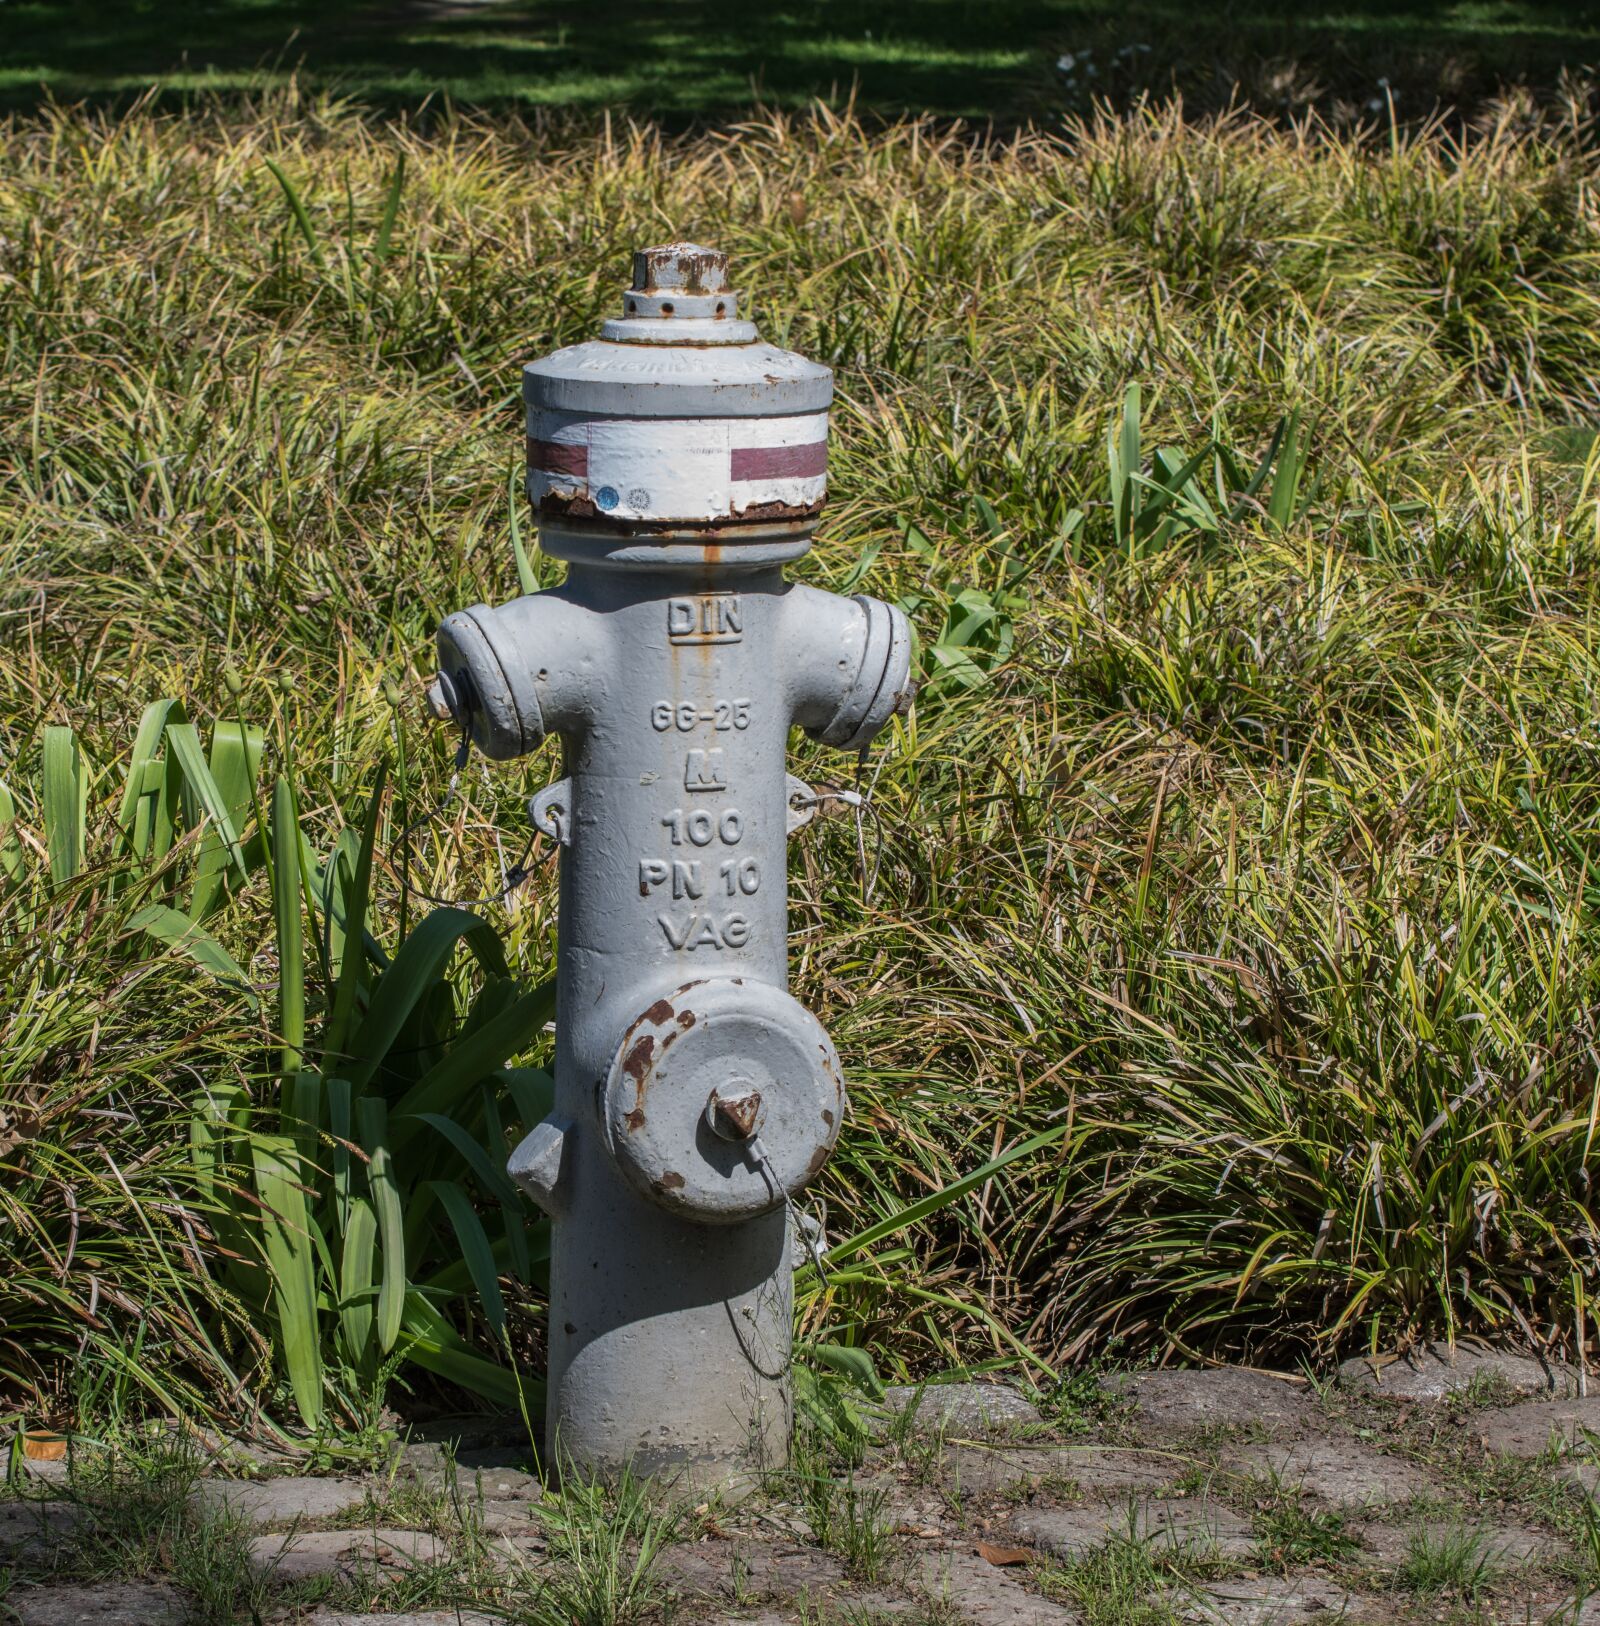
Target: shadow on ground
[{"x": 683, "y": 59}]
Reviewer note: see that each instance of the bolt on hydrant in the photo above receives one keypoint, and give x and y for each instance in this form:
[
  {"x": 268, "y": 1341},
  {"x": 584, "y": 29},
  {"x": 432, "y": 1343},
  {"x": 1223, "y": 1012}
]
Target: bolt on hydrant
[{"x": 676, "y": 464}]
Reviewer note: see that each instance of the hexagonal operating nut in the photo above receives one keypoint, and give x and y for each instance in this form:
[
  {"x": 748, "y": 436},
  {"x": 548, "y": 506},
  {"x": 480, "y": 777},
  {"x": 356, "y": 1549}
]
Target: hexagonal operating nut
[
  {"x": 732, "y": 1113},
  {"x": 688, "y": 268}
]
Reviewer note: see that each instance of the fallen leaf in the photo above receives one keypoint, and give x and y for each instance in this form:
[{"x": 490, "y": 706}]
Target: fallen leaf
[
  {"x": 922, "y": 1532},
  {"x": 43, "y": 1447},
  {"x": 1002, "y": 1556}
]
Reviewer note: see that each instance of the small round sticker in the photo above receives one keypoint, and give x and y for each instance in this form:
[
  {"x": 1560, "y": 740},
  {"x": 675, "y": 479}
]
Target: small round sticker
[
  {"x": 638, "y": 498},
  {"x": 606, "y": 498}
]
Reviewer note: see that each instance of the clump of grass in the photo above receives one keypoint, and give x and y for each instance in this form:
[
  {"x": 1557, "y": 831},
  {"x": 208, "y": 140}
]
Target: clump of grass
[
  {"x": 1131, "y": 1579},
  {"x": 1457, "y": 1560},
  {"x": 1289, "y": 1532},
  {"x": 603, "y": 1546},
  {"x": 848, "y": 1519}
]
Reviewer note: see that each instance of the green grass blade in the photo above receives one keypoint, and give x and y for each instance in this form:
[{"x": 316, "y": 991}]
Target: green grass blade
[
  {"x": 914, "y": 1213},
  {"x": 355, "y": 1283},
  {"x": 475, "y": 1250},
  {"x": 341, "y": 1130},
  {"x": 11, "y": 864},
  {"x": 291, "y": 1260},
  {"x": 434, "y": 1344},
  {"x": 134, "y": 816},
  {"x": 235, "y": 761},
  {"x": 63, "y": 803},
  {"x": 286, "y": 916},
  {"x": 479, "y": 1052},
  {"x": 184, "y": 743},
  {"x": 391, "y": 1219},
  {"x": 357, "y": 895},
  {"x": 178, "y": 931},
  {"x": 532, "y": 1092},
  {"x": 301, "y": 219},
  {"x": 391, "y": 210},
  {"x": 495, "y": 1181},
  {"x": 414, "y": 972},
  {"x": 1286, "y": 482}
]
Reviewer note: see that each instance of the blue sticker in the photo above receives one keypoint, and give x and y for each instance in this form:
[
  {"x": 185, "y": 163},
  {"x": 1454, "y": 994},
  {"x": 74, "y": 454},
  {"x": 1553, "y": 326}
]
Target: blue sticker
[{"x": 606, "y": 498}]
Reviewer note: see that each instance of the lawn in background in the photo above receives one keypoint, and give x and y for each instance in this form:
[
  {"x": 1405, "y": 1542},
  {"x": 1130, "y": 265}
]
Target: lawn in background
[{"x": 667, "y": 58}]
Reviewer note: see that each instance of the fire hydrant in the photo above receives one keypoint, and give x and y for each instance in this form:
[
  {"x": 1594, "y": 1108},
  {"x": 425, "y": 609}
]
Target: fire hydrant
[{"x": 676, "y": 464}]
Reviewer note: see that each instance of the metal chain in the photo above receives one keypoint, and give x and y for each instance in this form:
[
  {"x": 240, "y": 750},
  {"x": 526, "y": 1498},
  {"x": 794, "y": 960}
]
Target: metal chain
[
  {"x": 806, "y": 1226},
  {"x": 862, "y": 805},
  {"x": 514, "y": 877}
]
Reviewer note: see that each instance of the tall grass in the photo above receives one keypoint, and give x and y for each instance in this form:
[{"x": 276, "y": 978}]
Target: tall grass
[{"x": 1243, "y": 833}]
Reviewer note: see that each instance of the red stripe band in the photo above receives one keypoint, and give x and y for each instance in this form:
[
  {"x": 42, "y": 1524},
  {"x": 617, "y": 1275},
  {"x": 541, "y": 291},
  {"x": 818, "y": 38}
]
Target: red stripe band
[
  {"x": 558, "y": 457},
  {"x": 781, "y": 462}
]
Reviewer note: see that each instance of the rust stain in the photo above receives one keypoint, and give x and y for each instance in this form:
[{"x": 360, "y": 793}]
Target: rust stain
[
  {"x": 686, "y": 1019},
  {"x": 703, "y": 273},
  {"x": 637, "y": 1063},
  {"x": 818, "y": 1158},
  {"x": 579, "y": 505},
  {"x": 779, "y": 510},
  {"x": 660, "y": 1012},
  {"x": 670, "y": 1181},
  {"x": 827, "y": 1117},
  {"x": 634, "y": 1120}
]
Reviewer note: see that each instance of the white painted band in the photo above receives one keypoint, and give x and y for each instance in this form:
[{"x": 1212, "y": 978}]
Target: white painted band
[{"x": 696, "y": 469}]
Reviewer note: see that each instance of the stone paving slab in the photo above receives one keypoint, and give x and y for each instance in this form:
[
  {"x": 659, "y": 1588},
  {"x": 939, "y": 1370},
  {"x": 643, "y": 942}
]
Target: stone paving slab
[
  {"x": 1436, "y": 1372},
  {"x": 283, "y": 1500},
  {"x": 433, "y": 1617},
  {"x": 1095, "y": 1470},
  {"x": 303, "y": 1555},
  {"x": 976, "y": 1410},
  {"x": 498, "y": 1484},
  {"x": 1278, "y": 1601},
  {"x": 983, "y": 1594},
  {"x": 1196, "y": 1525},
  {"x": 1339, "y": 1472},
  {"x": 1229, "y": 1397},
  {"x": 111, "y": 1603},
  {"x": 1386, "y": 1543},
  {"x": 763, "y": 1570},
  {"x": 496, "y": 1472},
  {"x": 31, "y": 1532},
  {"x": 506, "y": 1518},
  {"x": 1536, "y": 1426}
]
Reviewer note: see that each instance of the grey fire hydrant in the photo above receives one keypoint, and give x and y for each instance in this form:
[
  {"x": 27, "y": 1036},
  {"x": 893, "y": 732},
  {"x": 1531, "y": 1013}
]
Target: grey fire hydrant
[{"x": 677, "y": 464}]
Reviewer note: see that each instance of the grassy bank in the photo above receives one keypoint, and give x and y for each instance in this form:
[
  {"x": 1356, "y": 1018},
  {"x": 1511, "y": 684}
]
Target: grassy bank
[{"x": 1242, "y": 832}]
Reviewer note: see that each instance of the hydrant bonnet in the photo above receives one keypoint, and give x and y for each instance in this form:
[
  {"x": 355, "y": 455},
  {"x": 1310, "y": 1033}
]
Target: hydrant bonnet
[{"x": 678, "y": 416}]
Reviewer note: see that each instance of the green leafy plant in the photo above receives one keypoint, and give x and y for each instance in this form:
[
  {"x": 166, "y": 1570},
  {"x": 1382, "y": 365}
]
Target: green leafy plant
[
  {"x": 1151, "y": 510},
  {"x": 376, "y": 1175}
]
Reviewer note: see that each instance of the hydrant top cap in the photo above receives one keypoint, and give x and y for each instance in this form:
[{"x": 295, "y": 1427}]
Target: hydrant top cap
[
  {"x": 683, "y": 267},
  {"x": 679, "y": 350}
]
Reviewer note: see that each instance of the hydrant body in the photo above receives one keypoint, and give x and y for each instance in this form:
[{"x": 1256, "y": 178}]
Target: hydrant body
[{"x": 676, "y": 465}]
